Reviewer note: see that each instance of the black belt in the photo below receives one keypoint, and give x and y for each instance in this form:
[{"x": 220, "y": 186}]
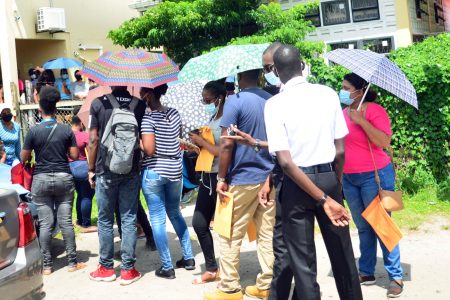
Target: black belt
[{"x": 322, "y": 168}]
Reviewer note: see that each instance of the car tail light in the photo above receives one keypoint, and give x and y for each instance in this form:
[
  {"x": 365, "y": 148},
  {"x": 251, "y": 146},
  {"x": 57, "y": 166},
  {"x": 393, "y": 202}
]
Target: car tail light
[{"x": 27, "y": 233}]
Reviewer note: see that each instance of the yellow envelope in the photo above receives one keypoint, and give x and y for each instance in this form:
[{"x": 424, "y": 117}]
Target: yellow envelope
[
  {"x": 223, "y": 216},
  {"x": 382, "y": 224},
  {"x": 251, "y": 231},
  {"x": 205, "y": 158}
]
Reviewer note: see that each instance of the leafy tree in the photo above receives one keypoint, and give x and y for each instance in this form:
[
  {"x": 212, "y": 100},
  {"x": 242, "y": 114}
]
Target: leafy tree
[{"x": 187, "y": 29}]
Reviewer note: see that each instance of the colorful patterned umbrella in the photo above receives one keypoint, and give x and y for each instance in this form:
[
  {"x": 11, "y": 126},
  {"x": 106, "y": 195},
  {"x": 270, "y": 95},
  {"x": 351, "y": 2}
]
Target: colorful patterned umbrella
[
  {"x": 221, "y": 63},
  {"x": 132, "y": 68},
  {"x": 93, "y": 94},
  {"x": 62, "y": 63},
  {"x": 186, "y": 98},
  {"x": 376, "y": 69}
]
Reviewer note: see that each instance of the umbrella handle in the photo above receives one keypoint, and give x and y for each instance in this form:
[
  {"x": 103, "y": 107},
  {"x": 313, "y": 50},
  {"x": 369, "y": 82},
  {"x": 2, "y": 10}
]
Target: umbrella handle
[{"x": 364, "y": 96}]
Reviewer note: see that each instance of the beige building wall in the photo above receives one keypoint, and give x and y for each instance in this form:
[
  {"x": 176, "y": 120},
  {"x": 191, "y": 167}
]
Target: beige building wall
[{"x": 87, "y": 24}]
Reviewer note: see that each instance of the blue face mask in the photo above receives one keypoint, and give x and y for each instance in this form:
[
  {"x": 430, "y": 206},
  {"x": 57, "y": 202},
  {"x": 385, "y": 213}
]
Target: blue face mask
[
  {"x": 272, "y": 79},
  {"x": 64, "y": 76},
  {"x": 211, "y": 109},
  {"x": 344, "y": 96}
]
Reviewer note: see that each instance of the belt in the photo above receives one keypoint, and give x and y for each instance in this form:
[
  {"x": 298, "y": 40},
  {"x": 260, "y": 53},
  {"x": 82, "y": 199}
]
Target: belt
[{"x": 322, "y": 168}]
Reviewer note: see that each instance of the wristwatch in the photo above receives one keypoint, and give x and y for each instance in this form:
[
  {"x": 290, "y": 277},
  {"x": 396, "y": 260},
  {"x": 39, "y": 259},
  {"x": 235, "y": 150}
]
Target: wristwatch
[
  {"x": 257, "y": 145},
  {"x": 322, "y": 200},
  {"x": 221, "y": 179}
]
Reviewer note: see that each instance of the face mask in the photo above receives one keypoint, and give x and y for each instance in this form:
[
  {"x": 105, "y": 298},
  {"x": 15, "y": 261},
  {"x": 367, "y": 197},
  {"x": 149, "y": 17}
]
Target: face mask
[
  {"x": 344, "y": 96},
  {"x": 272, "y": 79},
  {"x": 33, "y": 76},
  {"x": 78, "y": 77},
  {"x": 7, "y": 117},
  {"x": 64, "y": 76},
  {"x": 211, "y": 109}
]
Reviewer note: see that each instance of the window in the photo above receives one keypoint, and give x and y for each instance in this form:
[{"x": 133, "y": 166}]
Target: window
[
  {"x": 419, "y": 10},
  {"x": 382, "y": 45},
  {"x": 314, "y": 17},
  {"x": 335, "y": 12},
  {"x": 346, "y": 45},
  {"x": 438, "y": 12},
  {"x": 365, "y": 10}
]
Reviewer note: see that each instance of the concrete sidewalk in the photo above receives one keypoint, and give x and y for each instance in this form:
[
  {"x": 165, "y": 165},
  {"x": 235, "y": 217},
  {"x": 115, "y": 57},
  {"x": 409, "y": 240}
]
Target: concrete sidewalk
[{"x": 425, "y": 259}]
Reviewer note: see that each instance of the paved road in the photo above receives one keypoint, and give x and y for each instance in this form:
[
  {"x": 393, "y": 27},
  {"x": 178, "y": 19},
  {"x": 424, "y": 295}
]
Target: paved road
[{"x": 425, "y": 257}]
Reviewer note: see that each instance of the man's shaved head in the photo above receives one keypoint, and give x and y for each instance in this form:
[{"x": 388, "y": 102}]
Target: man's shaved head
[
  {"x": 268, "y": 53},
  {"x": 287, "y": 62}
]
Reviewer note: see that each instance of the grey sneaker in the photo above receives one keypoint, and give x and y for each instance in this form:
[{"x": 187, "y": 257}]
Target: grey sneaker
[
  {"x": 367, "y": 280},
  {"x": 395, "y": 289}
]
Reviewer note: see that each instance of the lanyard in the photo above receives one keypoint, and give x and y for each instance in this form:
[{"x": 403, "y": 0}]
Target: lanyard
[{"x": 48, "y": 120}]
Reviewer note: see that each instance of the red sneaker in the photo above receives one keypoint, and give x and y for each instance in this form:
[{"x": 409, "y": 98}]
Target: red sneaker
[
  {"x": 129, "y": 276},
  {"x": 103, "y": 274}
]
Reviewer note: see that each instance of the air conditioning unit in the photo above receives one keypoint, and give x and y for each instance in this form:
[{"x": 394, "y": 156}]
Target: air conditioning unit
[{"x": 51, "y": 19}]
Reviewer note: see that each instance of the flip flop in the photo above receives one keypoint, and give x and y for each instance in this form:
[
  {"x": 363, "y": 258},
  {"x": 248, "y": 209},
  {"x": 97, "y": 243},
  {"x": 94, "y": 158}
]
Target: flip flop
[{"x": 199, "y": 280}]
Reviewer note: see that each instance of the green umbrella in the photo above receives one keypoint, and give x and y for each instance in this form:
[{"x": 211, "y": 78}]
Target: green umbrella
[{"x": 223, "y": 62}]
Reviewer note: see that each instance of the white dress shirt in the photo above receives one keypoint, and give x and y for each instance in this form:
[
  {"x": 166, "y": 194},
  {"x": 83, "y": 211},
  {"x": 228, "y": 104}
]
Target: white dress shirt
[{"x": 305, "y": 119}]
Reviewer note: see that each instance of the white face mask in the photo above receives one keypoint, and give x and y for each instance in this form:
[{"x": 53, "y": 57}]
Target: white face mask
[{"x": 272, "y": 79}]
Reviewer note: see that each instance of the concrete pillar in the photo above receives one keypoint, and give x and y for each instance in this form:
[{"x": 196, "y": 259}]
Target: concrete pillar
[
  {"x": 404, "y": 31},
  {"x": 8, "y": 58}
]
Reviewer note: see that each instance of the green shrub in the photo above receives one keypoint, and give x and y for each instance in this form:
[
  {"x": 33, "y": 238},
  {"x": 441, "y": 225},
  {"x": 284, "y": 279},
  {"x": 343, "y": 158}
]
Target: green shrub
[
  {"x": 411, "y": 179},
  {"x": 443, "y": 191},
  {"x": 421, "y": 138}
]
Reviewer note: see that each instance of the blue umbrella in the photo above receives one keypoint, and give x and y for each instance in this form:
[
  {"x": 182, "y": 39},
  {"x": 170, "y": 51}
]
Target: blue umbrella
[
  {"x": 62, "y": 63},
  {"x": 376, "y": 69}
]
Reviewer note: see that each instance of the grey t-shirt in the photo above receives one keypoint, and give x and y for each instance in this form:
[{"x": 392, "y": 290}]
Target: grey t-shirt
[{"x": 217, "y": 132}]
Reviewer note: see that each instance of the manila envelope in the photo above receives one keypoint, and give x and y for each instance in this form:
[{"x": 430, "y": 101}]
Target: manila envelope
[
  {"x": 223, "y": 216},
  {"x": 205, "y": 158}
]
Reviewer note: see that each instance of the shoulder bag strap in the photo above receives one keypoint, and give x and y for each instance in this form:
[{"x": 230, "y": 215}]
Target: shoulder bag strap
[
  {"x": 48, "y": 140},
  {"x": 134, "y": 103},
  {"x": 113, "y": 101},
  {"x": 391, "y": 155}
]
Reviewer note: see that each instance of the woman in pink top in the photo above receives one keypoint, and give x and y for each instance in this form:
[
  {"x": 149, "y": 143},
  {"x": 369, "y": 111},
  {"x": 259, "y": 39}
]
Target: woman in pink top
[
  {"x": 360, "y": 188},
  {"x": 79, "y": 169}
]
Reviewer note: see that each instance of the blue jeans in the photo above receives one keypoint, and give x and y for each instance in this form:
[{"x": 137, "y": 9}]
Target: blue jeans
[
  {"x": 359, "y": 191},
  {"x": 84, "y": 202},
  {"x": 123, "y": 190},
  {"x": 163, "y": 196}
]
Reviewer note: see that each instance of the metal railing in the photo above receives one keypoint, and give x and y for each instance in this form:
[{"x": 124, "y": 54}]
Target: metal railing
[{"x": 29, "y": 116}]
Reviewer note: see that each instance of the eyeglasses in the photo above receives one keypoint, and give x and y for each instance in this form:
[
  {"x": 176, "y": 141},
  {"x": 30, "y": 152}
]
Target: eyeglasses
[
  {"x": 268, "y": 68},
  {"x": 208, "y": 101}
]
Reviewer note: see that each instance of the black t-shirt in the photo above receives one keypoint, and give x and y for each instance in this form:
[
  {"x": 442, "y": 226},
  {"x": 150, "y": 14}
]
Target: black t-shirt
[
  {"x": 101, "y": 110},
  {"x": 54, "y": 158}
]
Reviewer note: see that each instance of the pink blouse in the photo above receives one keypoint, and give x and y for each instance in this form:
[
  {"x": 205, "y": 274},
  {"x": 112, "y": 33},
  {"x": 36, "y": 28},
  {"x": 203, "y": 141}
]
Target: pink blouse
[{"x": 357, "y": 153}]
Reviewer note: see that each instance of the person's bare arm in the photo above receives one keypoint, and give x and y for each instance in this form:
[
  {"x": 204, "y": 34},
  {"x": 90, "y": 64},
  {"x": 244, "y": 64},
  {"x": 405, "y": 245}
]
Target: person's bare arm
[
  {"x": 244, "y": 138},
  {"x": 74, "y": 153},
  {"x": 375, "y": 135},
  {"x": 201, "y": 142},
  {"x": 92, "y": 154},
  {"x": 338, "y": 215},
  {"x": 3, "y": 157},
  {"x": 225, "y": 156},
  {"x": 339, "y": 159},
  {"x": 148, "y": 142},
  {"x": 25, "y": 155}
]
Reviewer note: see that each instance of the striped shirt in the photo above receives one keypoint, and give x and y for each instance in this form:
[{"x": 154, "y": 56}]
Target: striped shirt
[{"x": 166, "y": 127}]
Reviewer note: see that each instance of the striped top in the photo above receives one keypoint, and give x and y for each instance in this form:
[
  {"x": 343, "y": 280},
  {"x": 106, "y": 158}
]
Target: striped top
[
  {"x": 166, "y": 127},
  {"x": 11, "y": 141}
]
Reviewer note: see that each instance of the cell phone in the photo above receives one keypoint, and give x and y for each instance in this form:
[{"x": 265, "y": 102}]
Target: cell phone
[
  {"x": 195, "y": 131},
  {"x": 230, "y": 131}
]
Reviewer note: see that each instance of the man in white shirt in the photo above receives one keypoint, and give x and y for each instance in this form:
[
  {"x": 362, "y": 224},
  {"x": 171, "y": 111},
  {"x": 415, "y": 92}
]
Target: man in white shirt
[{"x": 305, "y": 128}]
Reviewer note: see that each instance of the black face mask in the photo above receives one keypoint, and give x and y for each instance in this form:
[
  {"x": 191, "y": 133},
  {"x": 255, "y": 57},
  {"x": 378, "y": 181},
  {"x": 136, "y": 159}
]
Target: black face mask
[
  {"x": 7, "y": 117},
  {"x": 78, "y": 77}
]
